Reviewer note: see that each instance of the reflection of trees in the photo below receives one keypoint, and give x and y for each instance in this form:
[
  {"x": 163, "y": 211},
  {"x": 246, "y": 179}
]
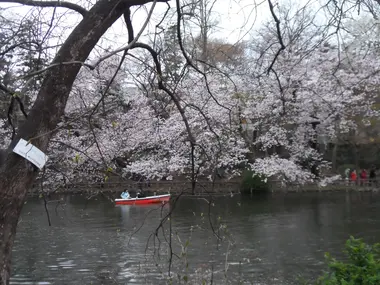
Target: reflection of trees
[
  {"x": 295, "y": 230},
  {"x": 143, "y": 252},
  {"x": 80, "y": 244},
  {"x": 280, "y": 235}
]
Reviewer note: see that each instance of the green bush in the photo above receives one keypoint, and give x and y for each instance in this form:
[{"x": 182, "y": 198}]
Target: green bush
[
  {"x": 361, "y": 268},
  {"x": 256, "y": 182}
]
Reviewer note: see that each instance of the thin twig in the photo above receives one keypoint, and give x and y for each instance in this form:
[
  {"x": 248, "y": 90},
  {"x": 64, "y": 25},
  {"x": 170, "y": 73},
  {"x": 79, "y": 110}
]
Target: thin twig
[{"x": 53, "y": 4}]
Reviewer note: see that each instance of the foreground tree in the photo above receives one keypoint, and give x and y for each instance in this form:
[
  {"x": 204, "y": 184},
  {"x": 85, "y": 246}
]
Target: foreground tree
[{"x": 17, "y": 175}]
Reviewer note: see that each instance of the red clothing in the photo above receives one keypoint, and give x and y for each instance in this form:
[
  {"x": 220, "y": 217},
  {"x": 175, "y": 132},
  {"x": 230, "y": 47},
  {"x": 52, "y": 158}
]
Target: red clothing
[
  {"x": 353, "y": 176},
  {"x": 363, "y": 175}
]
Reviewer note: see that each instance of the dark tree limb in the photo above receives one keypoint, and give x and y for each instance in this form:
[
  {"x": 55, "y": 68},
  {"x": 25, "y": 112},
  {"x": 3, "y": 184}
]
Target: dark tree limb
[
  {"x": 51, "y": 4},
  {"x": 11, "y": 107},
  {"x": 180, "y": 109},
  {"x": 189, "y": 62},
  {"x": 126, "y": 48},
  {"x": 128, "y": 23},
  {"x": 9, "y": 116},
  {"x": 162, "y": 86},
  {"x": 282, "y": 95},
  {"x": 279, "y": 35},
  {"x": 14, "y": 46}
]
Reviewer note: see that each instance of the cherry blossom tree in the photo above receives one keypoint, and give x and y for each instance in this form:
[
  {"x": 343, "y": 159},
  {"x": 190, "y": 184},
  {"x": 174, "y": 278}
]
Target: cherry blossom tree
[
  {"x": 291, "y": 112},
  {"x": 315, "y": 92},
  {"x": 93, "y": 112},
  {"x": 151, "y": 144}
]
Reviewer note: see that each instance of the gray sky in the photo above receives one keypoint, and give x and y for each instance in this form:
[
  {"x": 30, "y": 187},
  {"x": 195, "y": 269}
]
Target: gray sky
[{"x": 235, "y": 18}]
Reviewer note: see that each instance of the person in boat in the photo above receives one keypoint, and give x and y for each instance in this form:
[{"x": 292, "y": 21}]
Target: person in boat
[
  {"x": 125, "y": 195},
  {"x": 140, "y": 194}
]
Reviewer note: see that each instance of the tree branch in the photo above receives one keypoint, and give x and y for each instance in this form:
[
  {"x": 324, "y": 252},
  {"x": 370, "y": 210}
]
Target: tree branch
[
  {"x": 9, "y": 115},
  {"x": 52, "y": 4},
  {"x": 14, "y": 94},
  {"x": 177, "y": 103},
  {"x": 16, "y": 45},
  {"x": 76, "y": 149},
  {"x": 131, "y": 42},
  {"x": 128, "y": 23},
  {"x": 38, "y": 72},
  {"x": 161, "y": 86},
  {"x": 130, "y": 35},
  {"x": 11, "y": 107},
  {"x": 279, "y": 35},
  {"x": 189, "y": 62}
]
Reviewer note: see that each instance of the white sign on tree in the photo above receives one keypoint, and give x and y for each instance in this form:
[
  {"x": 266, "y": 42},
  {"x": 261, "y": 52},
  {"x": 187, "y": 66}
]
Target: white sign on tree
[{"x": 31, "y": 153}]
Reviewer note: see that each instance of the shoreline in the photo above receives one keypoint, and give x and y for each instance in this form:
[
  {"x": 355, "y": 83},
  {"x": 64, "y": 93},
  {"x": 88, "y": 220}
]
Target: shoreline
[{"x": 229, "y": 189}]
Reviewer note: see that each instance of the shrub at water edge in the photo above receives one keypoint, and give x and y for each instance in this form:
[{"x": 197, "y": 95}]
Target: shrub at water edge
[
  {"x": 253, "y": 183},
  {"x": 361, "y": 268}
]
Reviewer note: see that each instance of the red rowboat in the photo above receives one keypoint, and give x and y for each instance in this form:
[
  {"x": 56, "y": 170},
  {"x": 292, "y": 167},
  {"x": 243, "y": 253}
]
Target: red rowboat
[{"x": 142, "y": 201}]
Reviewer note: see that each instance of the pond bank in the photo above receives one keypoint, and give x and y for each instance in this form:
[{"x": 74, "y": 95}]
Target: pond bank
[
  {"x": 203, "y": 188},
  {"x": 337, "y": 186}
]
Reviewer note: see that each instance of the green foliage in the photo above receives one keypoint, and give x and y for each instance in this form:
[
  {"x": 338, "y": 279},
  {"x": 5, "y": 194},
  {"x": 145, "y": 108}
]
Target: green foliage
[
  {"x": 76, "y": 158},
  {"x": 256, "y": 182},
  {"x": 361, "y": 268}
]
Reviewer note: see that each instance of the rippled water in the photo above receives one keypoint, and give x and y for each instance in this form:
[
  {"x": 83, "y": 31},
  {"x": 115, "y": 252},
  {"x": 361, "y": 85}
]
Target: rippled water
[{"x": 258, "y": 240}]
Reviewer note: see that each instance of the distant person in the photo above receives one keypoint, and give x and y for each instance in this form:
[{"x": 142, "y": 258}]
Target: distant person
[
  {"x": 140, "y": 194},
  {"x": 354, "y": 176},
  {"x": 372, "y": 175},
  {"x": 347, "y": 174},
  {"x": 363, "y": 177}
]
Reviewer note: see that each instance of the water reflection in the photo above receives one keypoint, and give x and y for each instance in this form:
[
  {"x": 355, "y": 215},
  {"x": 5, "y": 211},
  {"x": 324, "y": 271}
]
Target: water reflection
[{"x": 266, "y": 239}]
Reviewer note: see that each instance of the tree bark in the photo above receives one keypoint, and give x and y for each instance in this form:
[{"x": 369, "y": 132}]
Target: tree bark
[{"x": 16, "y": 174}]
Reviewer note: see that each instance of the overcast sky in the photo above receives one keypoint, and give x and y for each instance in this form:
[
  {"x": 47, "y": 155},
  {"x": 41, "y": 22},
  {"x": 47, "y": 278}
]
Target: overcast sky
[{"x": 236, "y": 20}]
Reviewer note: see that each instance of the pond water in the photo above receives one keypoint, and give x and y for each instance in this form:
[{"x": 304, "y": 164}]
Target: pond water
[{"x": 271, "y": 239}]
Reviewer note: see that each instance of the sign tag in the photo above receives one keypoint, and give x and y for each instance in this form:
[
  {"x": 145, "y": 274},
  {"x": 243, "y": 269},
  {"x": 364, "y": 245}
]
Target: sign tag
[{"x": 31, "y": 153}]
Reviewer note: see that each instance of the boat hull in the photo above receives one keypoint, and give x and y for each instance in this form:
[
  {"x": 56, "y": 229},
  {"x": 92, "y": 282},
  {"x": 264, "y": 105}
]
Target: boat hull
[{"x": 143, "y": 201}]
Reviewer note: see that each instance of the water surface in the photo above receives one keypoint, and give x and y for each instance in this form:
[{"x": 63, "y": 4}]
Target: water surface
[{"x": 258, "y": 240}]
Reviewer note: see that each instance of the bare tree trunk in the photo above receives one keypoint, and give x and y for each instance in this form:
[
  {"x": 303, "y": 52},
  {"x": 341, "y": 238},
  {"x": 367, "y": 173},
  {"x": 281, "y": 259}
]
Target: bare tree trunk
[{"x": 16, "y": 175}]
